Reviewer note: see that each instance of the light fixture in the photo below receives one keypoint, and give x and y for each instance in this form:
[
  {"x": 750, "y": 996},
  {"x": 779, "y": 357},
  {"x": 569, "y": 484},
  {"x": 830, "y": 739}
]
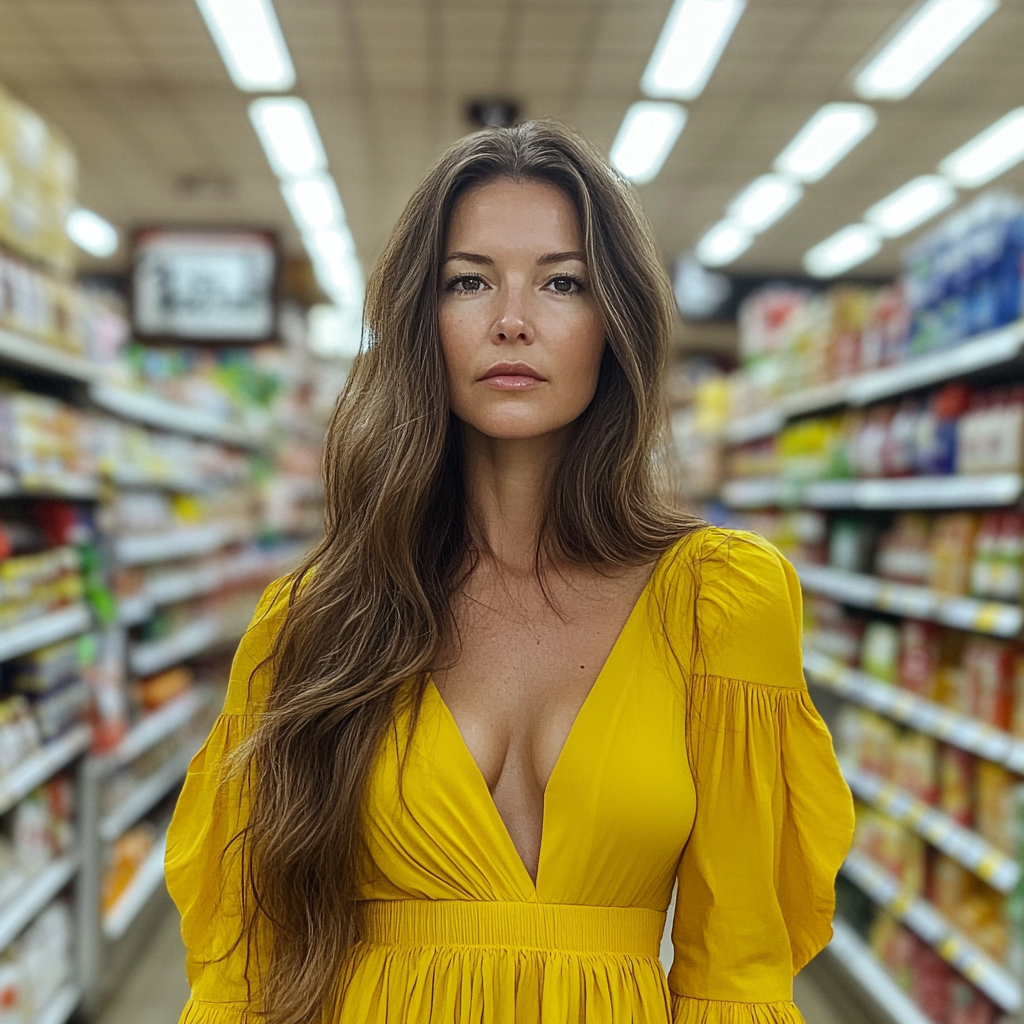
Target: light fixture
[
  {"x": 646, "y": 137},
  {"x": 924, "y": 40},
  {"x": 288, "y": 133},
  {"x": 723, "y": 243},
  {"x": 764, "y": 201},
  {"x": 91, "y": 233},
  {"x": 987, "y": 155},
  {"x": 846, "y": 248},
  {"x": 314, "y": 202},
  {"x": 337, "y": 268},
  {"x": 826, "y": 138},
  {"x": 251, "y": 45},
  {"x": 692, "y": 40},
  {"x": 911, "y": 205}
]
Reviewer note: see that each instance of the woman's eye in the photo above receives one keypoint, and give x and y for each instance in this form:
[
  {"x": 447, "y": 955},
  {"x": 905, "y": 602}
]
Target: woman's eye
[
  {"x": 466, "y": 283},
  {"x": 566, "y": 285}
]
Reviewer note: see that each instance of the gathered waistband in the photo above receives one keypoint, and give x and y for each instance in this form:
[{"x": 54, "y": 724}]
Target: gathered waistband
[{"x": 627, "y": 931}]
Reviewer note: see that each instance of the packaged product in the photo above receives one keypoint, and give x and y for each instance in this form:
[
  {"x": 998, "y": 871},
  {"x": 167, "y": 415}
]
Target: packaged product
[
  {"x": 950, "y": 884},
  {"x": 995, "y": 793},
  {"x": 914, "y": 766},
  {"x": 931, "y": 979},
  {"x": 989, "y": 667},
  {"x": 904, "y": 551},
  {"x": 894, "y": 945},
  {"x": 968, "y": 1005},
  {"x": 956, "y": 783},
  {"x": 920, "y": 649},
  {"x": 952, "y": 548},
  {"x": 851, "y": 544},
  {"x": 953, "y": 684},
  {"x": 164, "y": 686},
  {"x": 880, "y": 650}
]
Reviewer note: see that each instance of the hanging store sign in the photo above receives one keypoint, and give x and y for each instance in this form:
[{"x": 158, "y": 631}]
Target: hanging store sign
[{"x": 204, "y": 286}]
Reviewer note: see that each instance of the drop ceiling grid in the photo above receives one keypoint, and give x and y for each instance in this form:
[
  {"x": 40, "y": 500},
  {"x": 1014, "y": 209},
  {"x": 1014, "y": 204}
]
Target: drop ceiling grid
[{"x": 139, "y": 87}]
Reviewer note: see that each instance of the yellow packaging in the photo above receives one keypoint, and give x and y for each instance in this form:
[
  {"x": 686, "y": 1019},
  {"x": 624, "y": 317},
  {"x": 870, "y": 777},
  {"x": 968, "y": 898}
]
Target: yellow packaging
[
  {"x": 952, "y": 552},
  {"x": 993, "y": 804}
]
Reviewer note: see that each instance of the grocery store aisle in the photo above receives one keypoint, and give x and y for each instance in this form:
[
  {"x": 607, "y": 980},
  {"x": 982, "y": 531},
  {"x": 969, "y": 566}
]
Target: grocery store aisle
[{"x": 156, "y": 990}]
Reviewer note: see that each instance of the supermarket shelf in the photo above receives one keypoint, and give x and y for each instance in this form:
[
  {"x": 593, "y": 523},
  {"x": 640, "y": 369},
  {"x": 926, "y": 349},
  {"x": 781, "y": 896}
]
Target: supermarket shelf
[
  {"x": 184, "y": 542},
  {"x": 61, "y": 1006},
  {"x": 926, "y": 922},
  {"x": 860, "y": 964},
  {"x": 916, "y": 492},
  {"x": 145, "y": 796},
  {"x": 963, "y": 845},
  {"x": 47, "y": 629},
  {"x": 65, "y": 486},
  {"x": 154, "y": 727},
  {"x": 17, "y": 350},
  {"x": 187, "y": 483},
  {"x": 35, "y": 770},
  {"x": 184, "y": 643},
  {"x": 38, "y": 893},
  {"x": 923, "y": 715},
  {"x": 140, "y": 889},
  {"x": 995, "y": 618},
  {"x": 982, "y": 353},
  {"x": 156, "y": 411}
]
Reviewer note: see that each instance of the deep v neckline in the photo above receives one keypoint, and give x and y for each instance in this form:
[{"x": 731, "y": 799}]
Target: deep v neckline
[{"x": 590, "y": 699}]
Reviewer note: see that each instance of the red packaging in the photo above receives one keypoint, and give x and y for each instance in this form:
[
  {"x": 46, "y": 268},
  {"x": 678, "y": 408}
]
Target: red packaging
[
  {"x": 918, "y": 667},
  {"x": 989, "y": 665},
  {"x": 956, "y": 784},
  {"x": 969, "y": 1006},
  {"x": 931, "y": 982}
]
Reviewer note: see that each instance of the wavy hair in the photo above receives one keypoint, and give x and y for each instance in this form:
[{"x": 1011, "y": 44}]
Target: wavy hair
[{"x": 370, "y": 610}]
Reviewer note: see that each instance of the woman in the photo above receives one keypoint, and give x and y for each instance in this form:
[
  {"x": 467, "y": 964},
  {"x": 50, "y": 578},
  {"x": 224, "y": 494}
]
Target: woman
[{"x": 513, "y": 696}]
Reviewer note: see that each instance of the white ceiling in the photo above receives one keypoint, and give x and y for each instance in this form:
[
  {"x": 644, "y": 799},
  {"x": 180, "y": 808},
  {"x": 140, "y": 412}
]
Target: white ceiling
[{"x": 140, "y": 89}]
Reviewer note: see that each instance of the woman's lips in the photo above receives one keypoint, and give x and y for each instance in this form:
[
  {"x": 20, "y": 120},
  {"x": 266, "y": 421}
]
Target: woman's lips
[{"x": 511, "y": 381}]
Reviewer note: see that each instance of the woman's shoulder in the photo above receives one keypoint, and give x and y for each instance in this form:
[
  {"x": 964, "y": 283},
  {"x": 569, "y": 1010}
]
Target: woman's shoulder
[
  {"x": 250, "y": 674},
  {"x": 740, "y": 602}
]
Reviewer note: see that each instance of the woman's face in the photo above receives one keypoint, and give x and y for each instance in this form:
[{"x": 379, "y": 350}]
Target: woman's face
[{"x": 521, "y": 331}]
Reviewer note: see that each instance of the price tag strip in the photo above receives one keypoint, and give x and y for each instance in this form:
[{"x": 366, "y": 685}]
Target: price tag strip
[
  {"x": 963, "y": 845},
  {"x": 862, "y": 590},
  {"x": 923, "y": 715},
  {"x": 929, "y": 925}
]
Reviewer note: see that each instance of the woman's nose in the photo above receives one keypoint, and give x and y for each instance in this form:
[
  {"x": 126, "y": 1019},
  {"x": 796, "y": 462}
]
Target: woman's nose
[{"x": 511, "y": 326}]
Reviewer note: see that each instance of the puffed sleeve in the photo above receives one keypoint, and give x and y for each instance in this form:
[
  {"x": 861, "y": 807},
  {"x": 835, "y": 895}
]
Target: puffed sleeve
[
  {"x": 774, "y": 817},
  {"x": 203, "y": 867}
]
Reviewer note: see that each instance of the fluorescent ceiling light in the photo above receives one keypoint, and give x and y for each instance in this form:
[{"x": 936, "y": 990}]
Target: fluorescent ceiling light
[
  {"x": 289, "y": 136},
  {"x": 919, "y": 46},
  {"x": 846, "y": 248},
  {"x": 987, "y": 155},
  {"x": 333, "y": 332},
  {"x": 764, "y": 201},
  {"x": 689, "y": 46},
  {"x": 911, "y": 205},
  {"x": 723, "y": 243},
  {"x": 314, "y": 202},
  {"x": 251, "y": 45},
  {"x": 90, "y": 232},
  {"x": 826, "y": 138},
  {"x": 336, "y": 265},
  {"x": 646, "y": 137}
]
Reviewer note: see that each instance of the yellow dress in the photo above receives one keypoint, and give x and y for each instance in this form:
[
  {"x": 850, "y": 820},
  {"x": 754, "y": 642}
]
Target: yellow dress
[{"x": 726, "y": 782}]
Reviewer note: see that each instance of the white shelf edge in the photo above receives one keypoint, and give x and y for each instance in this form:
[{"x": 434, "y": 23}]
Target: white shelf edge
[
  {"x": 138, "y": 892},
  {"x": 71, "y": 487},
  {"x": 186, "y": 642},
  {"x": 62, "y": 1004},
  {"x": 961, "y": 844},
  {"x": 155, "y": 410},
  {"x": 144, "y": 797},
  {"x": 983, "y": 352},
  {"x": 183, "y": 542},
  {"x": 35, "y": 896},
  {"x": 43, "y": 358},
  {"x": 978, "y": 615},
  {"x": 35, "y": 770},
  {"x": 916, "y": 712},
  {"x": 47, "y": 629},
  {"x": 860, "y": 964},
  {"x": 928, "y": 924},
  {"x": 154, "y": 727}
]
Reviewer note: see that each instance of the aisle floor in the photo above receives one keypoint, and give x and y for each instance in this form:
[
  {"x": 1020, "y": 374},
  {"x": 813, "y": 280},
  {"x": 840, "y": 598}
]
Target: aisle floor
[{"x": 156, "y": 990}]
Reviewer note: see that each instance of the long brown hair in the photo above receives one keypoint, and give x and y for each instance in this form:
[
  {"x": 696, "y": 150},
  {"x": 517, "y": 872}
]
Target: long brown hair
[{"x": 371, "y": 608}]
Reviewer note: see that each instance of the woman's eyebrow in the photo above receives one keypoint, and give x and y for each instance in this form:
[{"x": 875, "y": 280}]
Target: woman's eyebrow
[
  {"x": 561, "y": 257},
  {"x": 469, "y": 257}
]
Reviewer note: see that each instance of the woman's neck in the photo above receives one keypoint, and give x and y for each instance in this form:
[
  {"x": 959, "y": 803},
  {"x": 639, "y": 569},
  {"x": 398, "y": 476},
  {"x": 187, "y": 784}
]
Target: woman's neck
[{"x": 507, "y": 484}]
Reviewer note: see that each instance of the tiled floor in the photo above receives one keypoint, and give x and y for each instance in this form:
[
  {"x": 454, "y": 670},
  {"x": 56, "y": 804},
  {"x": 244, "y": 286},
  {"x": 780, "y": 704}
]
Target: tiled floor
[{"x": 156, "y": 990}]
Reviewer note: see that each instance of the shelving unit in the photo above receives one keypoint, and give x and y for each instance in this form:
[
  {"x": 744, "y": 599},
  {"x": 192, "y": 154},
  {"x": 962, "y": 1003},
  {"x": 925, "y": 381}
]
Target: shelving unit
[
  {"x": 46, "y": 629},
  {"x": 38, "y": 893},
  {"x": 147, "y": 880},
  {"x": 964, "y": 846},
  {"x": 37, "y": 357},
  {"x": 855, "y": 958},
  {"x": 61, "y": 1006},
  {"x": 15, "y": 785},
  {"x": 144, "y": 797},
  {"x": 184, "y": 542},
  {"x": 186, "y": 642},
  {"x": 995, "y": 618},
  {"x": 930, "y": 926}
]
